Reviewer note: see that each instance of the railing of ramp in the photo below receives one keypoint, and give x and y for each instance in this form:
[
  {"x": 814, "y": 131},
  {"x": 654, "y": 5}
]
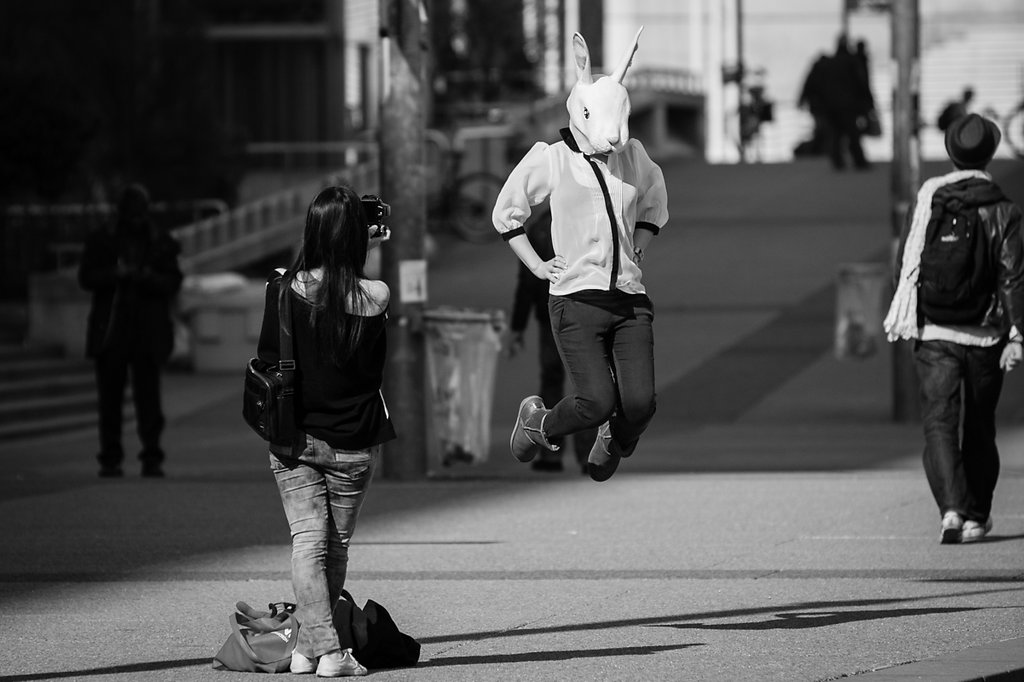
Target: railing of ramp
[
  {"x": 679, "y": 81},
  {"x": 259, "y": 228}
]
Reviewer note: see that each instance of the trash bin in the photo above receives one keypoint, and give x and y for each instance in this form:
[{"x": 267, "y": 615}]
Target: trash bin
[
  {"x": 860, "y": 309},
  {"x": 462, "y": 360}
]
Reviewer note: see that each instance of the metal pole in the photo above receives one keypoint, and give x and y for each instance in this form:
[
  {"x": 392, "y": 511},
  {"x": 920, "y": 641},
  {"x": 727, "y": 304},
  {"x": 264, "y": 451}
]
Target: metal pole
[
  {"x": 906, "y": 172},
  {"x": 403, "y": 265},
  {"x": 740, "y": 78}
]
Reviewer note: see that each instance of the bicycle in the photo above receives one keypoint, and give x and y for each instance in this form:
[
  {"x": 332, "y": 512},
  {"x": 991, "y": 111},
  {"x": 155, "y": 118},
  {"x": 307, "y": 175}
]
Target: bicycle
[
  {"x": 456, "y": 201},
  {"x": 1012, "y": 127}
]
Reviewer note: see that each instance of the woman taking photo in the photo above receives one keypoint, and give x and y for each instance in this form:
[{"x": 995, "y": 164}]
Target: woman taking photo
[{"x": 338, "y": 324}]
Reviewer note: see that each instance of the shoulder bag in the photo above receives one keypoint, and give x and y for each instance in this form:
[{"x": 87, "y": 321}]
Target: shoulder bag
[{"x": 268, "y": 397}]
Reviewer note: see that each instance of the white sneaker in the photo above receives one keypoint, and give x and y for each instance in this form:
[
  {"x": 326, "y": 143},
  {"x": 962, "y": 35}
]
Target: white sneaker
[
  {"x": 302, "y": 665},
  {"x": 974, "y": 531},
  {"x": 952, "y": 528},
  {"x": 340, "y": 664}
]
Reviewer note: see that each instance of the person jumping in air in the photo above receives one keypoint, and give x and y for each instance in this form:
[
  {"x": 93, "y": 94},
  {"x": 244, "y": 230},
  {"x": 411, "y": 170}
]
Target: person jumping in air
[{"x": 608, "y": 200}]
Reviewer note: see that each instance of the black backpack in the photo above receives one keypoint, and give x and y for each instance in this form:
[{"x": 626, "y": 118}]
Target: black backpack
[{"x": 957, "y": 280}]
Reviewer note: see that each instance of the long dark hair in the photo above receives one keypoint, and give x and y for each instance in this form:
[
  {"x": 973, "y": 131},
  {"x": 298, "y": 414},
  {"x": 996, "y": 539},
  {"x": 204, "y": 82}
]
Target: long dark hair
[{"x": 335, "y": 239}]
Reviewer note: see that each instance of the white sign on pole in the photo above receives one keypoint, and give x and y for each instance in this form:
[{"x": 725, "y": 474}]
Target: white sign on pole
[{"x": 412, "y": 281}]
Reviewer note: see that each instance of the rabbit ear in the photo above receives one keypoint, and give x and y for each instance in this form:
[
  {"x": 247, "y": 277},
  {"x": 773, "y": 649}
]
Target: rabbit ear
[
  {"x": 627, "y": 59},
  {"x": 582, "y": 55}
]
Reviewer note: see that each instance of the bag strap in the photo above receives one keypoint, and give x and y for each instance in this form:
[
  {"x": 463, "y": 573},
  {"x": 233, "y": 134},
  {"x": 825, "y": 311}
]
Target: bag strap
[{"x": 286, "y": 361}]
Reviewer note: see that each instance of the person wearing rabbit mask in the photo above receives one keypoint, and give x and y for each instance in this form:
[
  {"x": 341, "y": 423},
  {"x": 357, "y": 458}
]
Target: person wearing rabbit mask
[{"x": 608, "y": 200}]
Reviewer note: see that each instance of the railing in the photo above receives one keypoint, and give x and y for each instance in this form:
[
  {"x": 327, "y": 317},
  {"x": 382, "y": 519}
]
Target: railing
[
  {"x": 261, "y": 227},
  {"x": 549, "y": 114},
  {"x": 50, "y": 236},
  {"x": 678, "y": 81}
]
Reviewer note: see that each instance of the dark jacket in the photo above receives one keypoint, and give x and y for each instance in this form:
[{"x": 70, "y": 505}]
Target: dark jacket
[
  {"x": 532, "y": 292},
  {"x": 133, "y": 278},
  {"x": 1000, "y": 223}
]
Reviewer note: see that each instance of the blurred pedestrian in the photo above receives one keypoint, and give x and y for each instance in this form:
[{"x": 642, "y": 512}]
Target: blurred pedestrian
[
  {"x": 531, "y": 296},
  {"x": 812, "y": 97},
  {"x": 338, "y": 320},
  {"x": 845, "y": 99},
  {"x": 960, "y": 298},
  {"x": 955, "y": 110},
  {"x": 131, "y": 268}
]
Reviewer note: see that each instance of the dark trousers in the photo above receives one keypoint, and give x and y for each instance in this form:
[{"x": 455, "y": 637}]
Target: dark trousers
[
  {"x": 552, "y": 389},
  {"x": 843, "y": 135},
  {"x": 960, "y": 381},
  {"x": 608, "y": 352},
  {"x": 112, "y": 371}
]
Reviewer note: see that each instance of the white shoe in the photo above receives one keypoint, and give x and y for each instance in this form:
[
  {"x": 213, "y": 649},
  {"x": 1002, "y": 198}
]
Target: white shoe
[
  {"x": 339, "y": 664},
  {"x": 952, "y": 528},
  {"x": 302, "y": 665},
  {"x": 974, "y": 531}
]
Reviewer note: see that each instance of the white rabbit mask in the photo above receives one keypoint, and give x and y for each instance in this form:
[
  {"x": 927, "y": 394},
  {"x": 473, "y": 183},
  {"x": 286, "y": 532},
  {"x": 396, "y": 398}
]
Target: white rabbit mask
[{"x": 599, "y": 109}]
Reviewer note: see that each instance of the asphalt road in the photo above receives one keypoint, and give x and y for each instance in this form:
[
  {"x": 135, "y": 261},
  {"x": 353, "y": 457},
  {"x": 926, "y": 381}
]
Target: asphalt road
[{"x": 773, "y": 525}]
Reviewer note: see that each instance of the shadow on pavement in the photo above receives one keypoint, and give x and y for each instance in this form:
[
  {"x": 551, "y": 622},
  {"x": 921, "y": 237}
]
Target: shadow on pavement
[{"x": 125, "y": 669}]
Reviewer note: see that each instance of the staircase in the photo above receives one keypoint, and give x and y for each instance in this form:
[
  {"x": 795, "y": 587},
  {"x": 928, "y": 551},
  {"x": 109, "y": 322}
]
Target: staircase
[
  {"x": 44, "y": 394},
  {"x": 990, "y": 58}
]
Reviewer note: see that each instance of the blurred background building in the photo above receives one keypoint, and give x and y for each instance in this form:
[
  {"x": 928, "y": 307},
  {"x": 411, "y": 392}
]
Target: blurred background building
[
  {"x": 235, "y": 112},
  {"x": 231, "y": 109}
]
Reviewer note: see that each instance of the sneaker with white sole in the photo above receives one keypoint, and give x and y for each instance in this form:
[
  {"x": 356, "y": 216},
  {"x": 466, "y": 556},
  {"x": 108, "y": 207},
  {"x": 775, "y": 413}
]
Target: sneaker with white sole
[
  {"x": 340, "y": 664},
  {"x": 301, "y": 665},
  {"x": 974, "y": 531},
  {"x": 952, "y": 528}
]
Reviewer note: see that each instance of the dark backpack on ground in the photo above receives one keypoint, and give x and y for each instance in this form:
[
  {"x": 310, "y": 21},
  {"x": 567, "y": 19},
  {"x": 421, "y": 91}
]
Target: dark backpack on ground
[
  {"x": 372, "y": 634},
  {"x": 957, "y": 278}
]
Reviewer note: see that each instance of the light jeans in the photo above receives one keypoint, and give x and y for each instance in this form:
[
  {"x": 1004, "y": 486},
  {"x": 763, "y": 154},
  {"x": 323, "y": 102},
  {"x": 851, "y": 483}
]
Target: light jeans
[{"x": 322, "y": 490}]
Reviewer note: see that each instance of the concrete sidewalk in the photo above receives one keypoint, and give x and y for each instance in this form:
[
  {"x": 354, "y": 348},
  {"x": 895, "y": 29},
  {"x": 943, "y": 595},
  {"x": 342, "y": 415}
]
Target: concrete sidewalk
[{"x": 794, "y": 539}]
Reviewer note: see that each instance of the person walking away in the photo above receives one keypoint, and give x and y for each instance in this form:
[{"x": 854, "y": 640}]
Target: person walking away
[
  {"x": 960, "y": 298},
  {"x": 531, "y": 296},
  {"x": 812, "y": 96},
  {"x": 844, "y": 102},
  {"x": 955, "y": 110},
  {"x": 131, "y": 268},
  {"x": 340, "y": 345}
]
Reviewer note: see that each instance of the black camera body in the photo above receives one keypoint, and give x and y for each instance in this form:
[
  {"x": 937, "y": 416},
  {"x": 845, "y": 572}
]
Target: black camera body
[{"x": 375, "y": 209}]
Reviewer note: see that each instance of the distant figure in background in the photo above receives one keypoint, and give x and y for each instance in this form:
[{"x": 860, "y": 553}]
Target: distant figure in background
[
  {"x": 960, "y": 299},
  {"x": 531, "y": 295},
  {"x": 131, "y": 268},
  {"x": 846, "y": 98},
  {"x": 955, "y": 110},
  {"x": 812, "y": 97}
]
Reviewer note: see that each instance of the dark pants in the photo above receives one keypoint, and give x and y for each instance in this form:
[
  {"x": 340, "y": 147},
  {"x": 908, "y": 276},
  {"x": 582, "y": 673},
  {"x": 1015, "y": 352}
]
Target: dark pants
[
  {"x": 842, "y": 135},
  {"x": 552, "y": 389},
  {"x": 608, "y": 352},
  {"x": 960, "y": 381},
  {"x": 111, "y": 377}
]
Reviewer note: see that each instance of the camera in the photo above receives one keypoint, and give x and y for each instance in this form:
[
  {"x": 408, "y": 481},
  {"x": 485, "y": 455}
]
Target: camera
[{"x": 375, "y": 209}]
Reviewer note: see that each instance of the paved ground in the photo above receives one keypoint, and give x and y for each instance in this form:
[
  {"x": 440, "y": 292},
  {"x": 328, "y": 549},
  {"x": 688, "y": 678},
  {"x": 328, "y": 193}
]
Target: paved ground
[{"x": 774, "y": 525}]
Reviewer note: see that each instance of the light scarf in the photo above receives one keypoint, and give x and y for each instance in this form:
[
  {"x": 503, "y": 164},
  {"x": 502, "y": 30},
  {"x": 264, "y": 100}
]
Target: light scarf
[{"x": 901, "y": 321}]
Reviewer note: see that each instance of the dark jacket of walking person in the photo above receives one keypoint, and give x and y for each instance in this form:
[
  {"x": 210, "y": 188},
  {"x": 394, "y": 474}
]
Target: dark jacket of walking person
[
  {"x": 131, "y": 268},
  {"x": 338, "y": 319},
  {"x": 845, "y": 99},
  {"x": 531, "y": 297},
  {"x": 955, "y": 110},
  {"x": 965, "y": 322}
]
